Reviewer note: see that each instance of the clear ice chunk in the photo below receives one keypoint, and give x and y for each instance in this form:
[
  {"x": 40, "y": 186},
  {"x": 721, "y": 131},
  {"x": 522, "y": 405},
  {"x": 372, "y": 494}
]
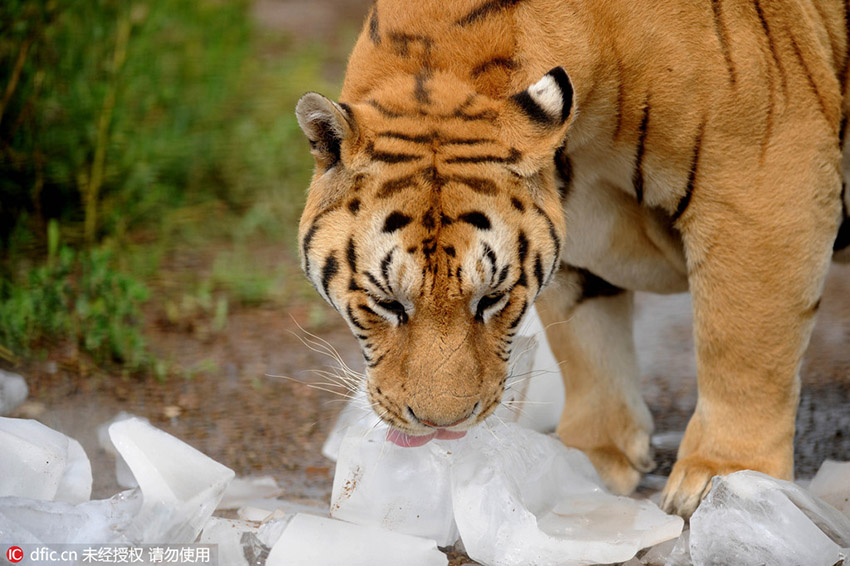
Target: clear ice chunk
[
  {"x": 357, "y": 414},
  {"x": 41, "y": 463},
  {"x": 13, "y": 391},
  {"x": 832, "y": 484},
  {"x": 749, "y": 518},
  {"x": 406, "y": 490},
  {"x": 180, "y": 485},
  {"x": 227, "y": 535},
  {"x": 243, "y": 491},
  {"x": 521, "y": 497},
  {"x": 317, "y": 541},
  {"x": 537, "y": 374},
  {"x": 123, "y": 475},
  {"x": 30, "y": 521}
]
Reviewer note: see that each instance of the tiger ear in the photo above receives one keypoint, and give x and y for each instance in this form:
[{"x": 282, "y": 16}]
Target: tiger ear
[
  {"x": 326, "y": 124},
  {"x": 538, "y": 118},
  {"x": 549, "y": 101}
]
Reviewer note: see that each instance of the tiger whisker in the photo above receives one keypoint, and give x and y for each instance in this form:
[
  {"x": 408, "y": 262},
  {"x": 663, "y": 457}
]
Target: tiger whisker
[{"x": 317, "y": 386}]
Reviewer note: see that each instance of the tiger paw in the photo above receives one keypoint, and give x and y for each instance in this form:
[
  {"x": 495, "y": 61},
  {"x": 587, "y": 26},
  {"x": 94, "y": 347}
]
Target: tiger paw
[
  {"x": 621, "y": 467},
  {"x": 690, "y": 479},
  {"x": 689, "y": 483}
]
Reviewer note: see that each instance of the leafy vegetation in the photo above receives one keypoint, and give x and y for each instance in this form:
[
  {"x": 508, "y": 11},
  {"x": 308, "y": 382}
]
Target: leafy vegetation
[{"x": 127, "y": 130}]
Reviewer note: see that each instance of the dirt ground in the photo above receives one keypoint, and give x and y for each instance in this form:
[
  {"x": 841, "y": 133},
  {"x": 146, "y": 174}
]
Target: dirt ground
[{"x": 244, "y": 415}]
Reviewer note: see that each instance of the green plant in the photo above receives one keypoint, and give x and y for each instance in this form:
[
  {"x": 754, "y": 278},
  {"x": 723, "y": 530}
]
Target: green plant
[
  {"x": 81, "y": 297},
  {"x": 142, "y": 127}
]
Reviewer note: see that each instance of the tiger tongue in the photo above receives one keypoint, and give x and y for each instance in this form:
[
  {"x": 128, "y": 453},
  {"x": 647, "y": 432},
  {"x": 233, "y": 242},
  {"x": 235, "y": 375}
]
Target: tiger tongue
[{"x": 409, "y": 441}]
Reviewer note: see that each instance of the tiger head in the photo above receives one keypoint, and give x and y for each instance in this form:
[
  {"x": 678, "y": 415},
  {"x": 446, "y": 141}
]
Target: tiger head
[{"x": 431, "y": 225}]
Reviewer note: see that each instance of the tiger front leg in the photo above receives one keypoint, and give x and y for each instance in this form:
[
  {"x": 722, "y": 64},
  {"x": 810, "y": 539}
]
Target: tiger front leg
[
  {"x": 758, "y": 247},
  {"x": 589, "y": 327}
]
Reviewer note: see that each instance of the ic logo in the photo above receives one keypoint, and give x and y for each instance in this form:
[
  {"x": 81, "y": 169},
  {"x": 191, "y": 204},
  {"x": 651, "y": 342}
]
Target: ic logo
[{"x": 15, "y": 554}]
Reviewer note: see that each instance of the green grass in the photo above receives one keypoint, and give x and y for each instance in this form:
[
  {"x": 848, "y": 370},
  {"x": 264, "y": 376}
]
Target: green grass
[{"x": 132, "y": 131}]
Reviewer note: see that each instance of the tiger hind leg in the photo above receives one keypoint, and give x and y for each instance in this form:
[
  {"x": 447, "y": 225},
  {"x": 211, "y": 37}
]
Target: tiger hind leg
[{"x": 589, "y": 327}]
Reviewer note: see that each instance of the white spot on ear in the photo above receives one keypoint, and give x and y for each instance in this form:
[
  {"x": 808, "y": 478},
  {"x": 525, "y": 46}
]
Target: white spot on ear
[{"x": 547, "y": 95}]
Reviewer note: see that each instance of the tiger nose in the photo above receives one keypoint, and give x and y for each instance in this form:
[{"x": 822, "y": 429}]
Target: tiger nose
[{"x": 441, "y": 419}]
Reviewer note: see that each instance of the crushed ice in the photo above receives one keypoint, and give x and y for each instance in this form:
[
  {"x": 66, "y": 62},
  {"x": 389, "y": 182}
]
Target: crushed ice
[{"x": 505, "y": 494}]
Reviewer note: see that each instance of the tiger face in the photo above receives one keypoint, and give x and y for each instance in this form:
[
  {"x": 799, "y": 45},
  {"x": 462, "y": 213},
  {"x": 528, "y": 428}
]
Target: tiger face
[{"x": 432, "y": 233}]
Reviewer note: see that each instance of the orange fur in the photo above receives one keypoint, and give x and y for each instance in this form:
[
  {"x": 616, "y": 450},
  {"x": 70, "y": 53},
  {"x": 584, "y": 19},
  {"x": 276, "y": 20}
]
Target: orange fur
[{"x": 692, "y": 146}]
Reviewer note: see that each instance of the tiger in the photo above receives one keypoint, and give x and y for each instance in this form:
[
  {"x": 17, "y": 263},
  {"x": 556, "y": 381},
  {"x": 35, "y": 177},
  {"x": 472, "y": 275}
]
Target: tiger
[{"x": 485, "y": 156}]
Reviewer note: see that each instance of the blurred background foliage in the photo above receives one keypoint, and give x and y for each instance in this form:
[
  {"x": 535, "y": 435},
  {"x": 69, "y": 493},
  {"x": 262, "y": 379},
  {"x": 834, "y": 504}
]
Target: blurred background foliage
[{"x": 134, "y": 134}]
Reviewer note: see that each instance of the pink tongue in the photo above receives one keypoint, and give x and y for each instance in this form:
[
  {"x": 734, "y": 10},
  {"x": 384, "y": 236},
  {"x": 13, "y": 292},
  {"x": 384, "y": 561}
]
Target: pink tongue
[
  {"x": 408, "y": 441},
  {"x": 450, "y": 434}
]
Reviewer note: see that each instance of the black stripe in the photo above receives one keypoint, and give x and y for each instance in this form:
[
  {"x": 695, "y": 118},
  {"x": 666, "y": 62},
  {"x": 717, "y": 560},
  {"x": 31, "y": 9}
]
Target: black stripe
[
  {"x": 477, "y": 219},
  {"x": 351, "y": 256},
  {"x": 517, "y": 204},
  {"x": 403, "y": 41},
  {"x": 522, "y": 247},
  {"x": 553, "y": 233},
  {"x": 391, "y": 187},
  {"x": 305, "y": 245},
  {"x": 593, "y": 286},
  {"x": 420, "y": 92},
  {"x": 723, "y": 38},
  {"x": 503, "y": 274},
  {"x": 485, "y": 10},
  {"x": 385, "y": 268},
  {"x": 512, "y": 157},
  {"x": 490, "y": 255},
  {"x": 367, "y": 310},
  {"x": 390, "y": 157},
  {"x": 353, "y": 319},
  {"x": 383, "y": 110},
  {"x": 811, "y": 80},
  {"x": 692, "y": 176},
  {"x": 766, "y": 27},
  {"x": 372, "y": 364},
  {"x": 374, "y": 30},
  {"x": 395, "y": 221},
  {"x": 354, "y": 206},
  {"x": 518, "y": 319},
  {"x": 450, "y": 251},
  {"x": 396, "y": 308},
  {"x": 486, "y": 302},
  {"x": 329, "y": 271},
  {"x": 483, "y": 116},
  {"x": 478, "y": 184},
  {"x": 637, "y": 175},
  {"x": 538, "y": 271},
  {"x": 374, "y": 281},
  {"x": 534, "y": 111},
  {"x": 428, "y": 220},
  {"x": 522, "y": 280},
  {"x": 564, "y": 167},
  {"x": 566, "y": 88},
  {"x": 620, "y": 98},
  {"x": 424, "y": 138},
  {"x": 500, "y": 62},
  {"x": 466, "y": 141}
]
